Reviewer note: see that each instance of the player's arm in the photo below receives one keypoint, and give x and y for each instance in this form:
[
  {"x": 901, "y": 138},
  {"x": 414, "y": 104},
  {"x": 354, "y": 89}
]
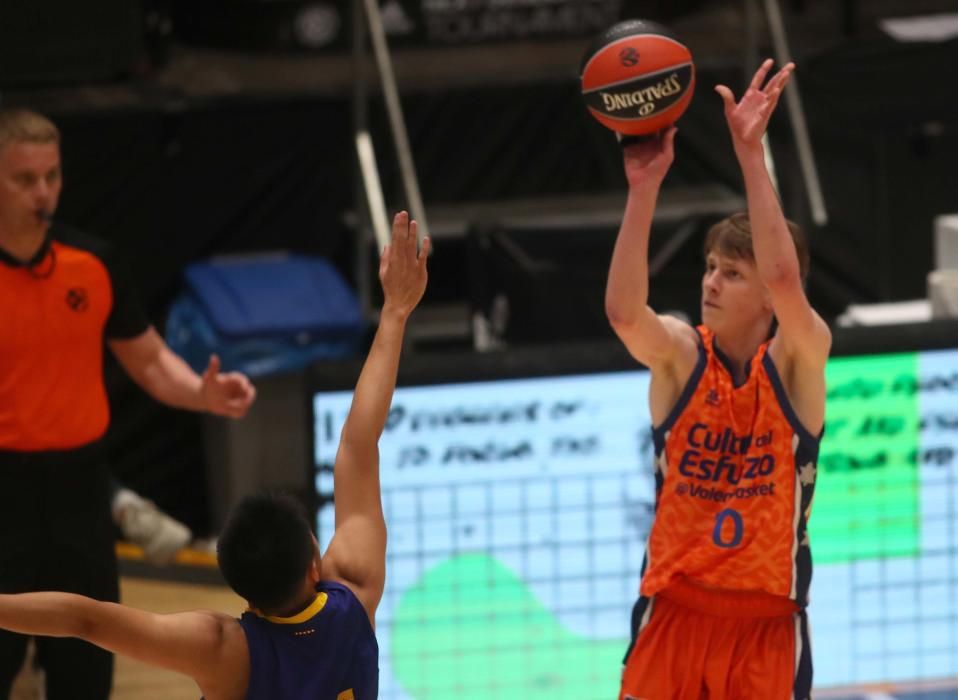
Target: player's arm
[
  {"x": 164, "y": 375},
  {"x": 651, "y": 339},
  {"x": 192, "y": 643},
  {"x": 804, "y": 333},
  {"x": 357, "y": 552}
]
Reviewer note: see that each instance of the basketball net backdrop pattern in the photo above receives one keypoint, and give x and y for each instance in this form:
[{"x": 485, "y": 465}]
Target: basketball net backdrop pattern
[{"x": 518, "y": 510}]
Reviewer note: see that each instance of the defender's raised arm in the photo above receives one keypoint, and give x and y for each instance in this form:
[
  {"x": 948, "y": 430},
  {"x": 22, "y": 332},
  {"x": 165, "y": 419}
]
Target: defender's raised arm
[{"x": 357, "y": 552}]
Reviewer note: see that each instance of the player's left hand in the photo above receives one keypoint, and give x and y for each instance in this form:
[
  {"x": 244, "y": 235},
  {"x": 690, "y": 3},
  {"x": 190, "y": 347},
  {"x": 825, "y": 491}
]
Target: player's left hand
[
  {"x": 402, "y": 268},
  {"x": 748, "y": 118},
  {"x": 226, "y": 394}
]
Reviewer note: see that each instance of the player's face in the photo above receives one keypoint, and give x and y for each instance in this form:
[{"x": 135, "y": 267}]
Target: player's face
[
  {"x": 30, "y": 182},
  {"x": 733, "y": 296}
]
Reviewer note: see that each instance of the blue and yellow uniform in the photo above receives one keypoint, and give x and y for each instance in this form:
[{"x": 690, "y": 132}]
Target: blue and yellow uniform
[
  {"x": 326, "y": 652},
  {"x": 727, "y": 569}
]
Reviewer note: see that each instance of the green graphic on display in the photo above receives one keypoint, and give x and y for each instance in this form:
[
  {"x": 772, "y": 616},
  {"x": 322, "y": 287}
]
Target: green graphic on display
[
  {"x": 866, "y": 495},
  {"x": 471, "y": 629}
]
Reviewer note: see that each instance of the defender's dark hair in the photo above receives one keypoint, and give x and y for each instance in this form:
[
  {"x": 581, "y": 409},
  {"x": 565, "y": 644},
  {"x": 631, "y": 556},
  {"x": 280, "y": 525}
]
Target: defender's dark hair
[{"x": 265, "y": 550}]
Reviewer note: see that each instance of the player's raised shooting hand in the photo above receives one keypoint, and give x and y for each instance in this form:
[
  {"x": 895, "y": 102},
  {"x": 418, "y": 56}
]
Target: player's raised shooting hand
[{"x": 648, "y": 160}]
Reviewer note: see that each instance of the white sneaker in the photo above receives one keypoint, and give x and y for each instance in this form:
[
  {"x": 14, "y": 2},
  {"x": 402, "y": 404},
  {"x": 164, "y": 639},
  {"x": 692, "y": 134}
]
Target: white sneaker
[{"x": 159, "y": 535}]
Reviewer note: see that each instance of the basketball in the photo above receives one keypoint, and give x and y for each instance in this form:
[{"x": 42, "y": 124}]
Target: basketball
[{"x": 637, "y": 77}]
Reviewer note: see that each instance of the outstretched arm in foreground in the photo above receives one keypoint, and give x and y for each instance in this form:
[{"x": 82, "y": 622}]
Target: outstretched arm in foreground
[
  {"x": 357, "y": 552},
  {"x": 193, "y": 643},
  {"x": 653, "y": 340}
]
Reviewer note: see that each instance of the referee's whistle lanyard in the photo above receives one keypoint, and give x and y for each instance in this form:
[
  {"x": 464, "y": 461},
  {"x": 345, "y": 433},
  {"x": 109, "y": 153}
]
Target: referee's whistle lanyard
[
  {"x": 43, "y": 262},
  {"x": 46, "y": 263}
]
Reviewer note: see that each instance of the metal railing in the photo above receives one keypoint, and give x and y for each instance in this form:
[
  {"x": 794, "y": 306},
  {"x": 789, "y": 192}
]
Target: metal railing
[
  {"x": 793, "y": 101},
  {"x": 374, "y": 215}
]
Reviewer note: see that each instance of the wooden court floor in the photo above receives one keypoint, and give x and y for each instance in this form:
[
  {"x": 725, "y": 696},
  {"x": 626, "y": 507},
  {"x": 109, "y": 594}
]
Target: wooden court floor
[{"x": 136, "y": 681}]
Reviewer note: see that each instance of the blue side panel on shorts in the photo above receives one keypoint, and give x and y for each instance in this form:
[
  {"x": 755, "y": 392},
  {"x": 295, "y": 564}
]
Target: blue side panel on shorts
[
  {"x": 638, "y": 613},
  {"x": 802, "y": 689}
]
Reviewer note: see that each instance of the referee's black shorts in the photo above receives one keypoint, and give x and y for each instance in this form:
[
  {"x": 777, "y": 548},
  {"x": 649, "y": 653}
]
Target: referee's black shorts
[{"x": 57, "y": 534}]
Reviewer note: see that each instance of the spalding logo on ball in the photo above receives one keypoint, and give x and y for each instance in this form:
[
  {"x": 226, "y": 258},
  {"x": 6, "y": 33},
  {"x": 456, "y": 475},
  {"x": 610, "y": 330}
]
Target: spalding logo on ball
[{"x": 637, "y": 78}]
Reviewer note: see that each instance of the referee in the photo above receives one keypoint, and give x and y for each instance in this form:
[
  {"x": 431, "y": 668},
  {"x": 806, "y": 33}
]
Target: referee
[{"x": 61, "y": 299}]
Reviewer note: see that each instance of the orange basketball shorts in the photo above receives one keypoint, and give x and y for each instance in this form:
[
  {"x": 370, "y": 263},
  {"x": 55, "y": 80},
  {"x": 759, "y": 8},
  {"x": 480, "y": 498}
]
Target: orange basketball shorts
[{"x": 698, "y": 644}]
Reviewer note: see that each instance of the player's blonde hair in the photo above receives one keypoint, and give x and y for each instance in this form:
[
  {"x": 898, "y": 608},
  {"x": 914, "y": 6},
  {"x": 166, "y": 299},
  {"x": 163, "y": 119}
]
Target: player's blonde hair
[
  {"x": 732, "y": 236},
  {"x": 26, "y": 126}
]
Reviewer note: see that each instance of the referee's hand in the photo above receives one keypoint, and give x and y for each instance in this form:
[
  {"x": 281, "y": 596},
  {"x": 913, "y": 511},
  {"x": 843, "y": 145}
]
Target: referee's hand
[{"x": 226, "y": 394}]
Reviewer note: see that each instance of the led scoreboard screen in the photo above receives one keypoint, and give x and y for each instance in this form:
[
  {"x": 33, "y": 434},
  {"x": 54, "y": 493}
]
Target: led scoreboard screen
[{"x": 518, "y": 508}]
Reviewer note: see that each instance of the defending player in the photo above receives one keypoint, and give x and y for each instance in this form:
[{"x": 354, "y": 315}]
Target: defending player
[
  {"x": 737, "y": 413},
  {"x": 309, "y": 632}
]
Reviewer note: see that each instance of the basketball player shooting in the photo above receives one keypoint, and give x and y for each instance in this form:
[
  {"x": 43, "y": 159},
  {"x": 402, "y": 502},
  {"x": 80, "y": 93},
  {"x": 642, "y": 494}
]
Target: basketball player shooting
[
  {"x": 309, "y": 631},
  {"x": 738, "y": 411}
]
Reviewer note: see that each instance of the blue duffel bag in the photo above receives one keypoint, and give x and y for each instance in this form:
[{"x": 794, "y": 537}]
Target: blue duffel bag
[{"x": 264, "y": 314}]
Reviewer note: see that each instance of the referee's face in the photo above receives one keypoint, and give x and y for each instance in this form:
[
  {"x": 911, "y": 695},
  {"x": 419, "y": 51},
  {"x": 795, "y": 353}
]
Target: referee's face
[{"x": 30, "y": 182}]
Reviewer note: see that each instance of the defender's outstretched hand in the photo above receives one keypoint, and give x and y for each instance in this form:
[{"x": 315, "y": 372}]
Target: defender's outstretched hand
[
  {"x": 356, "y": 555},
  {"x": 402, "y": 269},
  {"x": 748, "y": 118},
  {"x": 648, "y": 160}
]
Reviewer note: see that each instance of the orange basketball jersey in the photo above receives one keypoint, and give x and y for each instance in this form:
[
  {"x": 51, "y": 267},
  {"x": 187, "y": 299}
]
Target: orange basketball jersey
[
  {"x": 57, "y": 310},
  {"x": 735, "y": 472}
]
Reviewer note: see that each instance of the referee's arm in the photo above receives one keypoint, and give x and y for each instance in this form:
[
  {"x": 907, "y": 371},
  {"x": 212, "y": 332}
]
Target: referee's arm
[{"x": 164, "y": 375}]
